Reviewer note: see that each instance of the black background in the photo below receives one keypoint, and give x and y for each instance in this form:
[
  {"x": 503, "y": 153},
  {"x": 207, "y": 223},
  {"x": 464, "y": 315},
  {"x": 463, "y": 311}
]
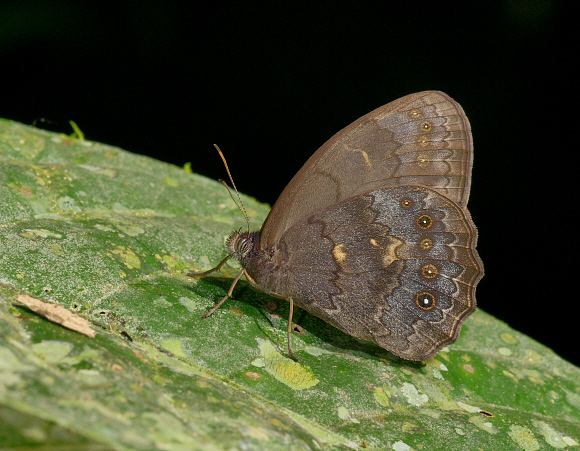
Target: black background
[{"x": 270, "y": 84}]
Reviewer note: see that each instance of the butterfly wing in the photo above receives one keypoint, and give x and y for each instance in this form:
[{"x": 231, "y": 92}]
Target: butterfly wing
[
  {"x": 397, "y": 266},
  {"x": 423, "y": 139}
]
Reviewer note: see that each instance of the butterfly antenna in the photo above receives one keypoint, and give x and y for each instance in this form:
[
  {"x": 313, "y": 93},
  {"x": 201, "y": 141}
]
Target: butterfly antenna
[{"x": 242, "y": 208}]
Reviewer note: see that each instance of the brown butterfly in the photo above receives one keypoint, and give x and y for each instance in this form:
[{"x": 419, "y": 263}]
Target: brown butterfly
[{"x": 373, "y": 235}]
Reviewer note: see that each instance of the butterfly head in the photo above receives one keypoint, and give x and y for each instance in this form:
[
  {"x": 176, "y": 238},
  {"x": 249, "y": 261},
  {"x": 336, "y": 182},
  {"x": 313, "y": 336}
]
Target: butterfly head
[{"x": 243, "y": 245}]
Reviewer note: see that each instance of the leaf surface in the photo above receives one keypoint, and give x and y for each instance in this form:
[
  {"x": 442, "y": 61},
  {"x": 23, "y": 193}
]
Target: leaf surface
[{"x": 109, "y": 235}]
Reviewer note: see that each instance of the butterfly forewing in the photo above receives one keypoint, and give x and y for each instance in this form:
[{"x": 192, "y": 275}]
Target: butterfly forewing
[{"x": 422, "y": 139}]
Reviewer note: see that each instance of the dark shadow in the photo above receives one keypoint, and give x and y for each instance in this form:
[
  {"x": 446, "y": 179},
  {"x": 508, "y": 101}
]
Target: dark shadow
[{"x": 217, "y": 287}]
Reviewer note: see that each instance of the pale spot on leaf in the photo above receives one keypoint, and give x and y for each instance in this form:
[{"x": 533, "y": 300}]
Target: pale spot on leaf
[
  {"x": 469, "y": 368},
  {"x": 162, "y": 302},
  {"x": 52, "y": 350},
  {"x": 523, "y": 437},
  {"x": 169, "y": 181},
  {"x": 504, "y": 351},
  {"x": 128, "y": 257},
  {"x": 343, "y": 413},
  {"x": 482, "y": 424},
  {"x": 131, "y": 230},
  {"x": 174, "y": 346},
  {"x": 510, "y": 375},
  {"x": 381, "y": 396},
  {"x": 413, "y": 397},
  {"x": 467, "y": 407},
  {"x": 189, "y": 304},
  {"x": 551, "y": 436},
  {"x": 508, "y": 338},
  {"x": 401, "y": 446},
  {"x": 285, "y": 370}
]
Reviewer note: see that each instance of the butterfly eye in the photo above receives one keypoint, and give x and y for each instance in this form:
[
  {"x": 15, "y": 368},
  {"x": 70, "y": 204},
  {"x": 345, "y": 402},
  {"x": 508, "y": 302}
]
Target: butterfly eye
[{"x": 245, "y": 244}]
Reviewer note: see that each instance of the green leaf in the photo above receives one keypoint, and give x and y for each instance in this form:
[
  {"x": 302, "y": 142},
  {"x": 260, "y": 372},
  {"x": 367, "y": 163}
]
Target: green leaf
[{"x": 110, "y": 235}]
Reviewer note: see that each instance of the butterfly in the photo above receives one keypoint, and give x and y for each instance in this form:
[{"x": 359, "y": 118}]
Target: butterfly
[{"x": 373, "y": 234}]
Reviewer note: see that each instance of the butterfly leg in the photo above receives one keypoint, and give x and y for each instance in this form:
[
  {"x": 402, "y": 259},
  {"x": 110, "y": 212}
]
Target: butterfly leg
[
  {"x": 290, "y": 314},
  {"x": 226, "y": 297},
  {"x": 209, "y": 271}
]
